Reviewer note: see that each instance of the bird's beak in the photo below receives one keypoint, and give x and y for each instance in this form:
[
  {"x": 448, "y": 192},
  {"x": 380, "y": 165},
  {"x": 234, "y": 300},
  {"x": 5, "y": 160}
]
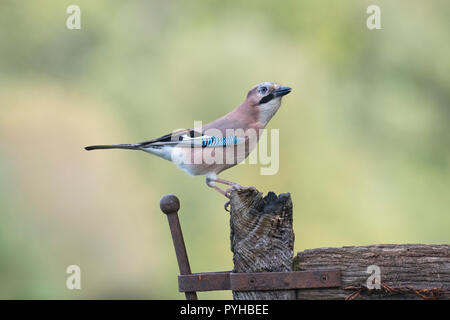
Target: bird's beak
[{"x": 282, "y": 91}]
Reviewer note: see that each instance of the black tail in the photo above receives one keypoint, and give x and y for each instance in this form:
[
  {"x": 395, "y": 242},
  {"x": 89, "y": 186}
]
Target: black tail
[{"x": 114, "y": 146}]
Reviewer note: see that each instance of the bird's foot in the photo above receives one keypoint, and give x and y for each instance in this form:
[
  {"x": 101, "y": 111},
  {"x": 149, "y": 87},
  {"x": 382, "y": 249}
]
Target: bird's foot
[
  {"x": 234, "y": 187},
  {"x": 227, "y": 205},
  {"x": 228, "y": 194}
]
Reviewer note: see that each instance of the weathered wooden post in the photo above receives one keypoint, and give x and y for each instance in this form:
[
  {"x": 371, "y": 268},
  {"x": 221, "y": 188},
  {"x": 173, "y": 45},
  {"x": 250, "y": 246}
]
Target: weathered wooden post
[
  {"x": 406, "y": 271},
  {"x": 262, "y": 238}
]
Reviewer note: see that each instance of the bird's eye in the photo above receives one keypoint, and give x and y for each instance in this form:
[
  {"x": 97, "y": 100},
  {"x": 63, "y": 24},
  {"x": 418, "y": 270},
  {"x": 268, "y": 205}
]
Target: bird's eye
[{"x": 263, "y": 90}]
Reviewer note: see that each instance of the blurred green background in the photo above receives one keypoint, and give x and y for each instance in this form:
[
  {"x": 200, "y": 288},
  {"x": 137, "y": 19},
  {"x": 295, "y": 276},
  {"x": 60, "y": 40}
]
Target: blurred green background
[{"x": 364, "y": 136}]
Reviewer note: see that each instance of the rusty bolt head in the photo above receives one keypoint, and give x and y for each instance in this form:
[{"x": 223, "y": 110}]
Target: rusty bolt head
[{"x": 169, "y": 204}]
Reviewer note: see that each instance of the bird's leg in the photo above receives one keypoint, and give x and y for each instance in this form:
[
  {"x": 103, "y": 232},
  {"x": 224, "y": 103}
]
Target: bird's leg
[
  {"x": 228, "y": 183},
  {"x": 227, "y": 204},
  {"x": 219, "y": 190},
  {"x": 234, "y": 186},
  {"x": 211, "y": 182}
]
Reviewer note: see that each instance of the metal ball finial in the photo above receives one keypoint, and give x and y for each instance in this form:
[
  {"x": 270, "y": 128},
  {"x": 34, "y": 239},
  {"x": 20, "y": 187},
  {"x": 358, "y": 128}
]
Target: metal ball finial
[{"x": 169, "y": 204}]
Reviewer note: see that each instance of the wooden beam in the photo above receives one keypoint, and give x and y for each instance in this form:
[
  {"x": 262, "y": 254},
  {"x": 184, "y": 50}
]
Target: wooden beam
[{"x": 409, "y": 271}]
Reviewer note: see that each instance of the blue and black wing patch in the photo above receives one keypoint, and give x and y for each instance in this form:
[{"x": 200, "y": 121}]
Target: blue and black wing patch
[
  {"x": 219, "y": 141},
  {"x": 191, "y": 139},
  {"x": 209, "y": 141}
]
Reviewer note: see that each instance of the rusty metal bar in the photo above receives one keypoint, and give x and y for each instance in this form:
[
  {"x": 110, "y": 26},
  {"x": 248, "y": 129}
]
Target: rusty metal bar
[
  {"x": 207, "y": 281},
  {"x": 210, "y": 281},
  {"x": 170, "y": 205},
  {"x": 284, "y": 280}
]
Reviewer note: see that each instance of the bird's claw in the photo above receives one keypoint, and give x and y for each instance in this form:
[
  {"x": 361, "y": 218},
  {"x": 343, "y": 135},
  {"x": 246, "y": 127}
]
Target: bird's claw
[
  {"x": 226, "y": 206},
  {"x": 234, "y": 187}
]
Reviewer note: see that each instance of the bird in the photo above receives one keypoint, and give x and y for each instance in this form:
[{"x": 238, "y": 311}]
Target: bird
[{"x": 219, "y": 145}]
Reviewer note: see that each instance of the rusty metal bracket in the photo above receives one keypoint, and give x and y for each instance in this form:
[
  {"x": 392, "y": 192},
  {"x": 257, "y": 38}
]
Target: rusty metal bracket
[{"x": 210, "y": 281}]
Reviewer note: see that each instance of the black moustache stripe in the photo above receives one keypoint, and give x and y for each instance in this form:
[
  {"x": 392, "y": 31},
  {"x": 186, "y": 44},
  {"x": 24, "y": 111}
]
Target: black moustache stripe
[{"x": 266, "y": 98}]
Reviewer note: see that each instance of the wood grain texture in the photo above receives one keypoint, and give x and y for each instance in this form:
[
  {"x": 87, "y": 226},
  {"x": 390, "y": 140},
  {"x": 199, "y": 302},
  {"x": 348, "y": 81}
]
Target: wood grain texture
[
  {"x": 417, "y": 265},
  {"x": 262, "y": 238}
]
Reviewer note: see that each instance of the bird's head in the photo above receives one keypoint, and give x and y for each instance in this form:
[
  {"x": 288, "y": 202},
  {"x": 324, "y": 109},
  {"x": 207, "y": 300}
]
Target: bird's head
[{"x": 266, "y": 98}]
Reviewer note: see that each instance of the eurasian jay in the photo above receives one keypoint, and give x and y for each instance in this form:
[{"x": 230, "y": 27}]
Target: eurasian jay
[{"x": 218, "y": 145}]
